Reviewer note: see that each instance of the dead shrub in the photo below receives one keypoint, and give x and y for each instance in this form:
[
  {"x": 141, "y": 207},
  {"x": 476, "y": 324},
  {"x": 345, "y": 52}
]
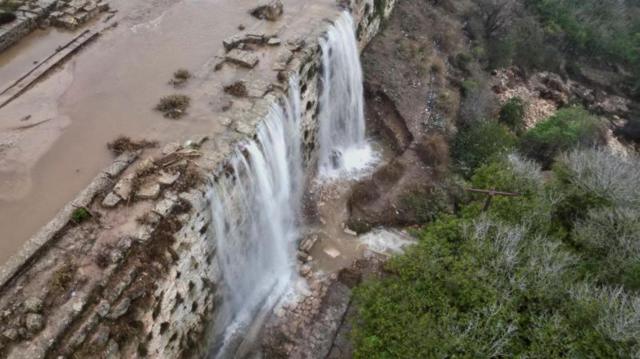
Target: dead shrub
[
  {"x": 182, "y": 74},
  {"x": 390, "y": 173},
  {"x": 190, "y": 178},
  {"x": 180, "y": 77},
  {"x": 237, "y": 89},
  {"x": 124, "y": 144},
  {"x": 446, "y": 35},
  {"x": 145, "y": 219},
  {"x": 437, "y": 65},
  {"x": 103, "y": 257},
  {"x": 62, "y": 278},
  {"x": 173, "y": 106},
  {"x": 363, "y": 193},
  {"x": 433, "y": 151},
  {"x": 447, "y": 102}
]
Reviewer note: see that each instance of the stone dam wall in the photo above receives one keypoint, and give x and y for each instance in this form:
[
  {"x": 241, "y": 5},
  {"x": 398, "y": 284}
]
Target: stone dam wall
[{"x": 129, "y": 268}]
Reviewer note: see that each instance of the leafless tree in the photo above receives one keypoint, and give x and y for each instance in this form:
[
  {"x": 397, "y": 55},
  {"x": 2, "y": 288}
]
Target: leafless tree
[{"x": 496, "y": 15}]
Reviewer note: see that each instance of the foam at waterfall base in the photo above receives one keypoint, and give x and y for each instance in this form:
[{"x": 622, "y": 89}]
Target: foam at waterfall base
[
  {"x": 386, "y": 241},
  {"x": 351, "y": 163}
]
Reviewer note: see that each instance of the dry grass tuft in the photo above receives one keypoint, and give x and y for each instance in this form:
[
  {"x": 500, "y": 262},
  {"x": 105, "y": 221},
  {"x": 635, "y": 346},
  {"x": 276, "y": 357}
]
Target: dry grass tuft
[
  {"x": 173, "y": 106},
  {"x": 433, "y": 151},
  {"x": 180, "y": 77},
  {"x": 124, "y": 144},
  {"x": 237, "y": 89}
]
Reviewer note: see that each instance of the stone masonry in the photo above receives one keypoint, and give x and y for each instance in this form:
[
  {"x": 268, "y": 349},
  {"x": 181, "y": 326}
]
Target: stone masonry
[
  {"x": 68, "y": 14},
  {"x": 129, "y": 268}
]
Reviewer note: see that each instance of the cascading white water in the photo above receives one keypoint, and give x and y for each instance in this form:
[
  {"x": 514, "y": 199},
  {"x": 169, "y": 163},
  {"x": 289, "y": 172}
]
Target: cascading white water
[
  {"x": 343, "y": 148},
  {"x": 256, "y": 206},
  {"x": 255, "y": 212}
]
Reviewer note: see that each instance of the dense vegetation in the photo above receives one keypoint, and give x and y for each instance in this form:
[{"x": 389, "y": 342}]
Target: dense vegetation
[
  {"x": 560, "y": 35},
  {"x": 568, "y": 128},
  {"x": 552, "y": 273},
  {"x": 7, "y": 9},
  {"x": 555, "y": 270}
]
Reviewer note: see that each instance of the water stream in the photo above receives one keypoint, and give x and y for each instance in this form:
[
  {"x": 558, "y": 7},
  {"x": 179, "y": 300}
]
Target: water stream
[
  {"x": 256, "y": 205},
  {"x": 256, "y": 219}
]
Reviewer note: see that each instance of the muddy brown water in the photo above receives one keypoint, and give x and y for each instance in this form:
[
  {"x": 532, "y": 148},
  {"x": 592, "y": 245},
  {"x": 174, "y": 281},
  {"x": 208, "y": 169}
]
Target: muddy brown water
[{"x": 110, "y": 89}]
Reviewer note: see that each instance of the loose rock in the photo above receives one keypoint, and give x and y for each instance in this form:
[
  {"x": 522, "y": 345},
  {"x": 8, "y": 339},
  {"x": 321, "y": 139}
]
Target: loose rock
[
  {"x": 170, "y": 148},
  {"x": 102, "y": 309},
  {"x": 242, "y": 58},
  {"x": 34, "y": 322},
  {"x": 274, "y": 41},
  {"x": 33, "y": 305},
  {"x": 149, "y": 191},
  {"x": 100, "y": 337},
  {"x": 10, "y": 334},
  {"x": 120, "y": 309},
  {"x": 124, "y": 187},
  {"x": 168, "y": 179},
  {"x": 111, "y": 200}
]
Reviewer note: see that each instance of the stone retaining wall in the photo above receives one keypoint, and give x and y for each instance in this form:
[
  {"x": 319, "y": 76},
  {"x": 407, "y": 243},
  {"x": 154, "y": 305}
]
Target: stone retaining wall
[
  {"x": 68, "y": 14},
  {"x": 25, "y": 22},
  {"x": 142, "y": 280}
]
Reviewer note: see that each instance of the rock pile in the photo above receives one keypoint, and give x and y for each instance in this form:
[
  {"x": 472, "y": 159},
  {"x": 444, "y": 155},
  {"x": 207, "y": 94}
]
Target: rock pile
[
  {"x": 293, "y": 321},
  {"x": 545, "y": 92},
  {"x": 70, "y": 14},
  {"x": 149, "y": 178},
  {"x": 21, "y": 321},
  {"x": 240, "y": 47}
]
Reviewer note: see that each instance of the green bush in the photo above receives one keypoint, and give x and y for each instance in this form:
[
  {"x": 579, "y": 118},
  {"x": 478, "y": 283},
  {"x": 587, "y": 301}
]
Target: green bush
[
  {"x": 603, "y": 174},
  {"x": 503, "y": 283},
  {"x": 476, "y": 288},
  {"x": 80, "y": 215},
  {"x": 599, "y": 207},
  {"x": 477, "y": 144},
  {"x": 516, "y": 175},
  {"x": 512, "y": 114},
  {"x": 593, "y": 28},
  {"x": 422, "y": 205},
  {"x": 567, "y": 129},
  {"x": 469, "y": 86},
  {"x": 609, "y": 239}
]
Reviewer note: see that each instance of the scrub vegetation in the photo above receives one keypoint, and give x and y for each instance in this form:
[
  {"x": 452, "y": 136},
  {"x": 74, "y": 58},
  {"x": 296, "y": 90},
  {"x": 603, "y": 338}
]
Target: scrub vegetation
[
  {"x": 552, "y": 270},
  {"x": 173, "y": 106}
]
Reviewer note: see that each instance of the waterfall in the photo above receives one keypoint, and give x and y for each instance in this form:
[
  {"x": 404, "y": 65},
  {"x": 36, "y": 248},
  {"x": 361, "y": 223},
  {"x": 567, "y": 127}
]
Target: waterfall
[
  {"x": 343, "y": 149},
  {"x": 257, "y": 202},
  {"x": 255, "y": 213}
]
